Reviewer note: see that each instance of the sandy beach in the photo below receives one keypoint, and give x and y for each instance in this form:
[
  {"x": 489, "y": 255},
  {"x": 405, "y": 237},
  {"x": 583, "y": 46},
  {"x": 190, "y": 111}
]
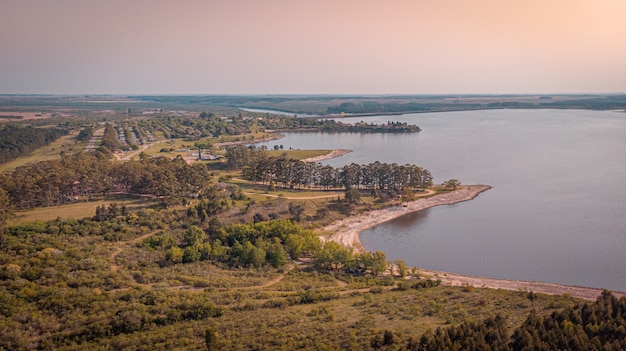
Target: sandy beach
[
  {"x": 331, "y": 154},
  {"x": 347, "y": 231}
]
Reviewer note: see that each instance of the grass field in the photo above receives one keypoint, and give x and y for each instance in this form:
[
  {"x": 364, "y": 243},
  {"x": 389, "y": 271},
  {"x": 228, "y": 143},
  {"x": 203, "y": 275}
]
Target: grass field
[
  {"x": 297, "y": 154},
  {"x": 49, "y": 152},
  {"x": 79, "y": 209}
]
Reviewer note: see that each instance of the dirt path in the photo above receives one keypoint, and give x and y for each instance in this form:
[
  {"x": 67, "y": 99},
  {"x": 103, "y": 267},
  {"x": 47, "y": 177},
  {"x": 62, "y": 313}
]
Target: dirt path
[
  {"x": 131, "y": 154},
  {"x": 296, "y": 197},
  {"x": 120, "y": 246},
  {"x": 271, "y": 282},
  {"x": 123, "y": 245}
]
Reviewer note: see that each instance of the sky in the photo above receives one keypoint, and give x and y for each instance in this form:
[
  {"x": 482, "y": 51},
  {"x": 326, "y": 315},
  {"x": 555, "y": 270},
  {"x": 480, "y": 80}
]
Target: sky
[{"x": 312, "y": 47}]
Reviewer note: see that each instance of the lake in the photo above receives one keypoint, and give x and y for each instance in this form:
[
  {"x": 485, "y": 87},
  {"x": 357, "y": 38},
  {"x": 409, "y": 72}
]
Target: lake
[{"x": 557, "y": 210}]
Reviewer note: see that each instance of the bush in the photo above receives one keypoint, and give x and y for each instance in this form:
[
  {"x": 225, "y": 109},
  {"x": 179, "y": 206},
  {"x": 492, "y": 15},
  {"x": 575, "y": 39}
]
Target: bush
[{"x": 376, "y": 290}]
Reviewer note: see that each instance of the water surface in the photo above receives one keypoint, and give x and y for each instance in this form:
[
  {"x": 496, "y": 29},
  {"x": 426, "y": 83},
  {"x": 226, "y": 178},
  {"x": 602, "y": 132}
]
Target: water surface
[{"x": 556, "y": 212}]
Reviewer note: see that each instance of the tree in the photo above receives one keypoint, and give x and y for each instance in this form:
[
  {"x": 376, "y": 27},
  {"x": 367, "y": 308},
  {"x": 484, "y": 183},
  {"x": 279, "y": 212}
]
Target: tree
[
  {"x": 192, "y": 253},
  {"x": 210, "y": 339},
  {"x": 175, "y": 254},
  {"x": 375, "y": 262},
  {"x": 202, "y": 146},
  {"x": 402, "y": 269},
  {"x": 6, "y": 209},
  {"x": 276, "y": 254},
  {"x": 194, "y": 235},
  {"x": 352, "y": 196},
  {"x": 296, "y": 211},
  {"x": 321, "y": 213},
  {"x": 333, "y": 256},
  {"x": 452, "y": 183}
]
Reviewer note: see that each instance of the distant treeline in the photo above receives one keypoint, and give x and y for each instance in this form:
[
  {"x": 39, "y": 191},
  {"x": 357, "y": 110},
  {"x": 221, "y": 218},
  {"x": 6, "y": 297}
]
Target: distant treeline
[
  {"x": 329, "y": 125},
  {"x": 16, "y": 141},
  {"x": 397, "y": 104},
  {"x": 377, "y": 107},
  {"x": 614, "y": 102}
]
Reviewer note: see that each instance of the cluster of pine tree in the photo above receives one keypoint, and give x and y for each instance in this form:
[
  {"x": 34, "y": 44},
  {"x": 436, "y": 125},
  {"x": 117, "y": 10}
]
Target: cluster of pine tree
[{"x": 592, "y": 326}]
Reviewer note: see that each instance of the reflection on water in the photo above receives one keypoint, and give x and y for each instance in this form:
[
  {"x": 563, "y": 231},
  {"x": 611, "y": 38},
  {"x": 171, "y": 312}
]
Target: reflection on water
[{"x": 408, "y": 221}]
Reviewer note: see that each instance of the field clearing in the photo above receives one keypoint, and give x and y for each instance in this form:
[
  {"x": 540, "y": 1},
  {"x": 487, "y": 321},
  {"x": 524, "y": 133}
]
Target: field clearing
[
  {"x": 297, "y": 154},
  {"x": 76, "y": 210},
  {"x": 25, "y": 115},
  {"x": 49, "y": 152}
]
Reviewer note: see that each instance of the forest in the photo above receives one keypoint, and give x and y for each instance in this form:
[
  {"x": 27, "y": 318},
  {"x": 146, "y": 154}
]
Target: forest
[
  {"x": 256, "y": 166},
  {"x": 57, "y": 182},
  {"x": 16, "y": 141},
  {"x": 228, "y": 254}
]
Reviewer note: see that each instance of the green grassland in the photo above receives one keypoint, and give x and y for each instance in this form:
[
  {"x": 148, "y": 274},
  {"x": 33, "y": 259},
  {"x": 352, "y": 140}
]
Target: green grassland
[{"x": 81, "y": 209}]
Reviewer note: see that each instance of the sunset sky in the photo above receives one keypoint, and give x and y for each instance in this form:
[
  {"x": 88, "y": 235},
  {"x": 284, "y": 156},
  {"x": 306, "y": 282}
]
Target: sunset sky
[{"x": 312, "y": 47}]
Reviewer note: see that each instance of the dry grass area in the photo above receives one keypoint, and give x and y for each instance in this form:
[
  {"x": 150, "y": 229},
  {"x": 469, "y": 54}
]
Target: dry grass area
[
  {"x": 25, "y": 115},
  {"x": 49, "y": 152},
  {"x": 78, "y": 210}
]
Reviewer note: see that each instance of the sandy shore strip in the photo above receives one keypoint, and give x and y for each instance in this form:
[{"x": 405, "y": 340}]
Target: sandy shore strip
[
  {"x": 328, "y": 156},
  {"x": 346, "y": 232},
  {"x": 454, "y": 279}
]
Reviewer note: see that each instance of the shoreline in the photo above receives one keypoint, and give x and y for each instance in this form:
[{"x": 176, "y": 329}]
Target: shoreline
[
  {"x": 347, "y": 231},
  {"x": 332, "y": 154}
]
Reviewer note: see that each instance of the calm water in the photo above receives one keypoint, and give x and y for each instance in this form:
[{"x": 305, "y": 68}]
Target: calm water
[{"x": 557, "y": 210}]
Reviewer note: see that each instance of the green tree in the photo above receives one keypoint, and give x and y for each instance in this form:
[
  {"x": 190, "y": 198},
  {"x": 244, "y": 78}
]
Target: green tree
[
  {"x": 194, "y": 235},
  {"x": 352, "y": 196},
  {"x": 6, "y": 208},
  {"x": 402, "y": 268},
  {"x": 175, "y": 254},
  {"x": 211, "y": 339},
  {"x": 452, "y": 184},
  {"x": 202, "y": 146},
  {"x": 276, "y": 254},
  {"x": 296, "y": 211},
  {"x": 333, "y": 256},
  {"x": 192, "y": 253}
]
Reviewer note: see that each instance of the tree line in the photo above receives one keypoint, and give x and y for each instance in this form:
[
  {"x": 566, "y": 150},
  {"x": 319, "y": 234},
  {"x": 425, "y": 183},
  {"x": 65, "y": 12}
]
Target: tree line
[
  {"x": 330, "y": 125},
  {"x": 291, "y": 173},
  {"x": 16, "y": 141}
]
